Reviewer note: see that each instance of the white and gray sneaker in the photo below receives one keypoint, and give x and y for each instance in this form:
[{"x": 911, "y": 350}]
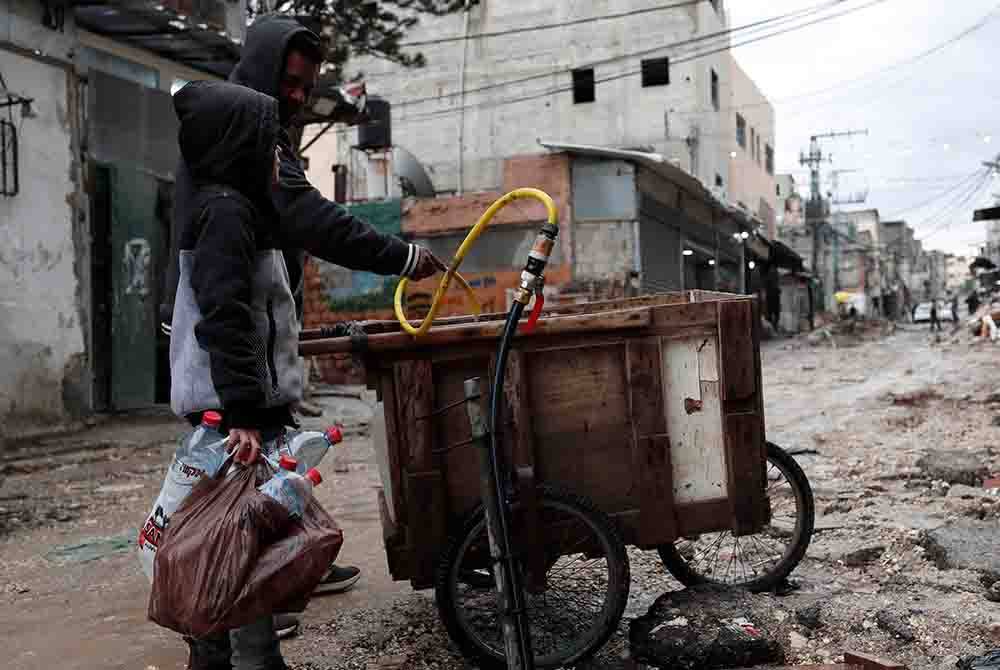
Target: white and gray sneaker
[
  {"x": 338, "y": 579},
  {"x": 286, "y": 625}
]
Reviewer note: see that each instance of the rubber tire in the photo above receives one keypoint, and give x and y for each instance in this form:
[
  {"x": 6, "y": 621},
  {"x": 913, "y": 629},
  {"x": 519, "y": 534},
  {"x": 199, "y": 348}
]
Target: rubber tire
[
  {"x": 680, "y": 569},
  {"x": 483, "y": 656}
]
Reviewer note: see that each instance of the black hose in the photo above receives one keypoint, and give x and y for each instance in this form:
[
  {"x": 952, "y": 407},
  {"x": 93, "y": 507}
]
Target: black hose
[{"x": 496, "y": 398}]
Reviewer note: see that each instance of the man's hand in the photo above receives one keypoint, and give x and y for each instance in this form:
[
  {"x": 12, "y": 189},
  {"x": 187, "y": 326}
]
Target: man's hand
[
  {"x": 427, "y": 265},
  {"x": 247, "y": 443}
]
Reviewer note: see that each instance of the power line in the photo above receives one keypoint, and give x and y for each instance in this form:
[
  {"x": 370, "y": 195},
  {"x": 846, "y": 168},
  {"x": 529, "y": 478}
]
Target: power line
[
  {"x": 550, "y": 26},
  {"x": 981, "y": 23},
  {"x": 777, "y": 20},
  {"x": 945, "y": 216},
  {"x": 938, "y": 196},
  {"x": 632, "y": 73}
]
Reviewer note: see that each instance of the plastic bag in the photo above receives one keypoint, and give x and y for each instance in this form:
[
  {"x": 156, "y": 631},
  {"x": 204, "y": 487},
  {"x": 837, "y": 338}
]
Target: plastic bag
[
  {"x": 989, "y": 661},
  {"x": 232, "y": 555},
  {"x": 201, "y": 451}
]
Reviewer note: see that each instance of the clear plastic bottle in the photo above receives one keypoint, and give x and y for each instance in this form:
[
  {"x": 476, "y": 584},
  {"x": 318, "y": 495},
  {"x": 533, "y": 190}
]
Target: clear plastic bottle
[
  {"x": 308, "y": 447},
  {"x": 289, "y": 488},
  {"x": 201, "y": 453}
]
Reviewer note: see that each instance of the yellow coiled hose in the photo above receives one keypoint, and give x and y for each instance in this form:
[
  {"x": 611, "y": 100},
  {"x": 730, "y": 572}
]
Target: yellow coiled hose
[{"x": 470, "y": 239}]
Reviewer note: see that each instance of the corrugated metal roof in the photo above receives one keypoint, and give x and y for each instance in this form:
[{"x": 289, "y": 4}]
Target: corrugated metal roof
[
  {"x": 163, "y": 31},
  {"x": 661, "y": 165}
]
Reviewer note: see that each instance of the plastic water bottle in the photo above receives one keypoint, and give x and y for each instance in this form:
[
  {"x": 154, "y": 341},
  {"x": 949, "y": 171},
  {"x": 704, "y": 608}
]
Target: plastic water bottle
[
  {"x": 201, "y": 453},
  {"x": 291, "y": 489},
  {"x": 308, "y": 447}
]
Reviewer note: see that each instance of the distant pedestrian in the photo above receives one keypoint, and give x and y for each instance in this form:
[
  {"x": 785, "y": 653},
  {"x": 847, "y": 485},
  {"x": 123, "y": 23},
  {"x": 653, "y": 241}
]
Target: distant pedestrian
[
  {"x": 935, "y": 322},
  {"x": 973, "y": 303}
]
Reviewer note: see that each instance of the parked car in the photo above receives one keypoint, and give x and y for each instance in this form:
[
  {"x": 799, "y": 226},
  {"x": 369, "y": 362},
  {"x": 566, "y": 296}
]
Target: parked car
[{"x": 923, "y": 312}]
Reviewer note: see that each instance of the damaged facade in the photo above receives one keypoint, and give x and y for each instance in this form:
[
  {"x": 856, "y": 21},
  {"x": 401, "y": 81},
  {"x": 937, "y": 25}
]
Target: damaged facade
[{"x": 84, "y": 232}]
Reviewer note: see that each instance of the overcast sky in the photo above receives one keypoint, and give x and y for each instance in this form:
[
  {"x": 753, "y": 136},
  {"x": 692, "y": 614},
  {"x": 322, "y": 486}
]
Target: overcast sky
[{"x": 930, "y": 123}]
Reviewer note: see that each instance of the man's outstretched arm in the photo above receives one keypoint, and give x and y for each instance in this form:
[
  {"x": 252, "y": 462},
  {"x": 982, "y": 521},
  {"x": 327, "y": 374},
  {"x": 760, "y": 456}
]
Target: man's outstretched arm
[{"x": 327, "y": 230}]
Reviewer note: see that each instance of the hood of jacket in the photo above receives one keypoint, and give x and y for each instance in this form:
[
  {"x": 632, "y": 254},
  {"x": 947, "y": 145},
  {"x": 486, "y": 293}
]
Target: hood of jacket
[
  {"x": 262, "y": 63},
  {"x": 227, "y": 135}
]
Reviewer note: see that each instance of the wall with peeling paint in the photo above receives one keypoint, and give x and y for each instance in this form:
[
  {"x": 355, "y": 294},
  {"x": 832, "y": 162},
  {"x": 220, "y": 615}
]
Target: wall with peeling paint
[{"x": 42, "y": 339}]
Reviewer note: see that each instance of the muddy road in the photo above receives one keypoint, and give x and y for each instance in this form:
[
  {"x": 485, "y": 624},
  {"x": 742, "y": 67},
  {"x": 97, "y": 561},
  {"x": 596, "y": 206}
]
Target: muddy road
[{"x": 897, "y": 435}]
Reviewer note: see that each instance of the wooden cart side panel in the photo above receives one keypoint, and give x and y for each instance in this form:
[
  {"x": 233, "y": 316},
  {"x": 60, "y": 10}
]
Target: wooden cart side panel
[
  {"x": 452, "y": 432},
  {"x": 581, "y": 424},
  {"x": 426, "y": 497},
  {"x": 693, "y": 413},
  {"x": 650, "y": 443},
  {"x": 739, "y": 352},
  {"x": 393, "y": 438}
]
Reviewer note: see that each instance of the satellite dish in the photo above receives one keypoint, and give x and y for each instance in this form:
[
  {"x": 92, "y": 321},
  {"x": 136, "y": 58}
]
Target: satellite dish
[{"x": 411, "y": 174}]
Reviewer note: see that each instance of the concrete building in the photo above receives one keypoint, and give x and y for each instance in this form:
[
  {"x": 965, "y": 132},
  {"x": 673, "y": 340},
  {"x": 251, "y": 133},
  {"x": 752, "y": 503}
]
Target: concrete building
[
  {"x": 481, "y": 101},
  {"x": 959, "y": 278},
  {"x": 86, "y": 197}
]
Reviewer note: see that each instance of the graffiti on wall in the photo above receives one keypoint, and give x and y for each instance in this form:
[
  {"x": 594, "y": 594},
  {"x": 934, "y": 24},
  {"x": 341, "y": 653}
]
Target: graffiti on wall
[{"x": 136, "y": 266}]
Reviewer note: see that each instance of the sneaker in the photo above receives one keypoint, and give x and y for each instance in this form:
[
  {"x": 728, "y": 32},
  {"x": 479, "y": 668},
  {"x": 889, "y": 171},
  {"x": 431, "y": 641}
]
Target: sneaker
[
  {"x": 285, "y": 625},
  {"x": 338, "y": 579}
]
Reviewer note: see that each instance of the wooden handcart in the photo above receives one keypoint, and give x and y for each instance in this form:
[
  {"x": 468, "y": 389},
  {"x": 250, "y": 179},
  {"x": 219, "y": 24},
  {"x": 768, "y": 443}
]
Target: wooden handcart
[{"x": 638, "y": 422}]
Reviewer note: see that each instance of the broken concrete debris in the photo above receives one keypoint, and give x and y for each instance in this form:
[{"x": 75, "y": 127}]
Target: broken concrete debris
[
  {"x": 720, "y": 628},
  {"x": 955, "y": 467}
]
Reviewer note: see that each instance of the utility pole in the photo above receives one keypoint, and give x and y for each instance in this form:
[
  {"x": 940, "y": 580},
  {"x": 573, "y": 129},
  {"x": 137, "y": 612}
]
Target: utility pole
[{"x": 814, "y": 208}]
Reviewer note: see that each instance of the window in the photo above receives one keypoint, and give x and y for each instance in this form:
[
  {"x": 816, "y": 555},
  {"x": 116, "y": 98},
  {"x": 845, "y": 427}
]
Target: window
[
  {"x": 583, "y": 86},
  {"x": 758, "y": 150},
  {"x": 769, "y": 161},
  {"x": 777, "y": 189},
  {"x": 119, "y": 67},
  {"x": 655, "y": 72},
  {"x": 716, "y": 5},
  {"x": 715, "y": 90},
  {"x": 753, "y": 143},
  {"x": 718, "y": 180},
  {"x": 741, "y": 131}
]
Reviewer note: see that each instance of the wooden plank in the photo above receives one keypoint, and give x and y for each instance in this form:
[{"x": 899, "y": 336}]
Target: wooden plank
[
  {"x": 392, "y": 325},
  {"x": 581, "y": 424},
  {"x": 427, "y": 529},
  {"x": 518, "y": 405},
  {"x": 651, "y": 444},
  {"x": 451, "y": 428},
  {"x": 737, "y": 346},
  {"x": 394, "y": 441},
  {"x": 746, "y": 472},
  {"x": 414, "y": 384},
  {"x": 450, "y": 335},
  {"x": 693, "y": 412},
  {"x": 709, "y": 516},
  {"x": 866, "y": 662}
]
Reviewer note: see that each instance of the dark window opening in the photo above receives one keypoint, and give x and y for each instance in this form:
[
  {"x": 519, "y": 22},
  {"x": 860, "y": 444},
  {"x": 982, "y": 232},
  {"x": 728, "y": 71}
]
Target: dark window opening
[
  {"x": 741, "y": 131},
  {"x": 583, "y": 86},
  {"x": 753, "y": 143},
  {"x": 758, "y": 150},
  {"x": 777, "y": 189},
  {"x": 715, "y": 90},
  {"x": 9, "y": 182},
  {"x": 716, "y": 5},
  {"x": 718, "y": 180},
  {"x": 769, "y": 161},
  {"x": 655, "y": 72}
]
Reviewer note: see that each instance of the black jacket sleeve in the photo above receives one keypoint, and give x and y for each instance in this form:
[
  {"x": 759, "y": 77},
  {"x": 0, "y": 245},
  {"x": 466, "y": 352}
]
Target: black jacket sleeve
[
  {"x": 221, "y": 278},
  {"x": 327, "y": 230}
]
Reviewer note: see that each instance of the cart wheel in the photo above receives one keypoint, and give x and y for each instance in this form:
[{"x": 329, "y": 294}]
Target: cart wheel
[
  {"x": 575, "y": 612},
  {"x": 757, "y": 562}
]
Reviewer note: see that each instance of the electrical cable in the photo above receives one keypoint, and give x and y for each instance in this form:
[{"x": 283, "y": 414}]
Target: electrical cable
[
  {"x": 551, "y": 26},
  {"x": 632, "y": 73},
  {"x": 763, "y": 23},
  {"x": 920, "y": 205}
]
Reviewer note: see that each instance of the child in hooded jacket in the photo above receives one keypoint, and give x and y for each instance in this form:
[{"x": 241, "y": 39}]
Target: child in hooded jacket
[{"x": 234, "y": 331}]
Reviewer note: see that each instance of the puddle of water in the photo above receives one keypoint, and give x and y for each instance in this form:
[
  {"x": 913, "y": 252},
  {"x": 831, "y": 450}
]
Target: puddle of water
[{"x": 93, "y": 549}]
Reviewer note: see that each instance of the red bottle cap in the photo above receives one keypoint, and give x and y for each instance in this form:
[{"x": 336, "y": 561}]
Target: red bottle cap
[
  {"x": 334, "y": 434},
  {"x": 314, "y": 476},
  {"x": 287, "y": 462},
  {"x": 211, "y": 419}
]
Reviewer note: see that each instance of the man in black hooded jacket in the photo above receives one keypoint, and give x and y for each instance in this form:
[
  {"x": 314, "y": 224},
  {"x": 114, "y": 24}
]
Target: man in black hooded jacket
[{"x": 281, "y": 58}]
